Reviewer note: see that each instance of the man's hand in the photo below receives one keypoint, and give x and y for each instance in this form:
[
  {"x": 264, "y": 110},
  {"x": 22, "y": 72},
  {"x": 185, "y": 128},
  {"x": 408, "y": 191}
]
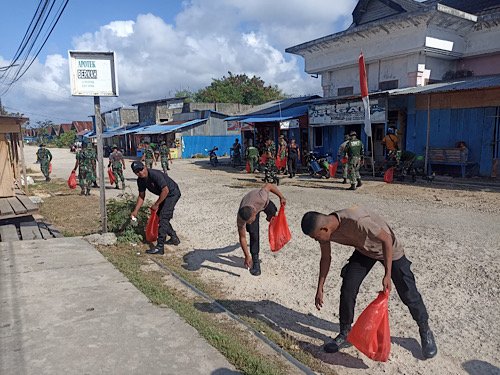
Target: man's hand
[
  {"x": 74, "y": 170},
  {"x": 386, "y": 283},
  {"x": 133, "y": 214},
  {"x": 154, "y": 207},
  {"x": 248, "y": 262},
  {"x": 362, "y": 162},
  {"x": 319, "y": 299},
  {"x": 282, "y": 201}
]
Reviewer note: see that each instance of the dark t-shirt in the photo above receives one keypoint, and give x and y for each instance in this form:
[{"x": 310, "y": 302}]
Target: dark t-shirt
[{"x": 156, "y": 181}]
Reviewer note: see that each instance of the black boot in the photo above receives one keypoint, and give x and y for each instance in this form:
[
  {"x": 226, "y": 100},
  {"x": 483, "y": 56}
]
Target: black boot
[
  {"x": 87, "y": 193},
  {"x": 159, "y": 249},
  {"x": 353, "y": 187},
  {"x": 47, "y": 179},
  {"x": 359, "y": 182},
  {"x": 340, "y": 341},
  {"x": 255, "y": 270},
  {"x": 174, "y": 240},
  {"x": 117, "y": 187},
  {"x": 95, "y": 185},
  {"x": 429, "y": 348},
  {"x": 344, "y": 181}
]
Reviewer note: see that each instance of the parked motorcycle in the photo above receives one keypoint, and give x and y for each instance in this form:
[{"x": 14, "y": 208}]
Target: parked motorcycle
[
  {"x": 213, "y": 156},
  {"x": 317, "y": 167}
]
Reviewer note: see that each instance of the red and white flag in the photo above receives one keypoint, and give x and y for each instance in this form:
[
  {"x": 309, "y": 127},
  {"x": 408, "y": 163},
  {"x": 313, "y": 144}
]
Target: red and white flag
[{"x": 364, "y": 95}]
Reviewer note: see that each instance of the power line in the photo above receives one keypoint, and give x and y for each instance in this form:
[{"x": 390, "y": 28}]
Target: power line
[{"x": 39, "y": 114}]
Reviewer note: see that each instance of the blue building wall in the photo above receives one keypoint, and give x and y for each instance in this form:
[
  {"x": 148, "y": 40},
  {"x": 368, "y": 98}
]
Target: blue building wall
[
  {"x": 474, "y": 126},
  {"x": 196, "y": 144},
  {"x": 333, "y": 137}
]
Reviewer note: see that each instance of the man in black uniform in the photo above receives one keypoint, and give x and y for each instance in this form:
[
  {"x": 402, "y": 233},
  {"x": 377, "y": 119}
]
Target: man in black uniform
[
  {"x": 293, "y": 158},
  {"x": 168, "y": 193}
]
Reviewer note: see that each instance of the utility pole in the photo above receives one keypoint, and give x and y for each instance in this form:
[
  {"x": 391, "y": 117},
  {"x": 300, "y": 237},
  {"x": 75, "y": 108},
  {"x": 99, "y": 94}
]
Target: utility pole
[{"x": 98, "y": 131}]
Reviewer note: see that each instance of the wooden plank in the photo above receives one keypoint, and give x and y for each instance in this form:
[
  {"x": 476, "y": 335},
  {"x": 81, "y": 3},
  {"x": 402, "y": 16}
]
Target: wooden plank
[
  {"x": 30, "y": 231},
  {"x": 26, "y": 201},
  {"x": 19, "y": 192},
  {"x": 5, "y": 208},
  {"x": 9, "y": 233},
  {"x": 44, "y": 231},
  {"x": 6, "y": 178},
  {"x": 17, "y": 206},
  {"x": 53, "y": 230}
]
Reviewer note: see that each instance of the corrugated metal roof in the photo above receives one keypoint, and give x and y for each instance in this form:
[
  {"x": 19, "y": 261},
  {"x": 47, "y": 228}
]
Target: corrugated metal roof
[
  {"x": 456, "y": 85},
  {"x": 167, "y": 128}
]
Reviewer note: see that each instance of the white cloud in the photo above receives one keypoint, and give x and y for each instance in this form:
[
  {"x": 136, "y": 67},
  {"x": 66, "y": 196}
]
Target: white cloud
[{"x": 208, "y": 39}]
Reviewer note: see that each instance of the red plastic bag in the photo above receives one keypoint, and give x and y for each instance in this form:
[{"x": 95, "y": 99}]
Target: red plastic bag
[
  {"x": 152, "y": 227},
  {"x": 283, "y": 163},
  {"x": 112, "y": 177},
  {"x": 248, "y": 167},
  {"x": 263, "y": 159},
  {"x": 388, "y": 176},
  {"x": 50, "y": 167},
  {"x": 332, "y": 168},
  {"x": 279, "y": 233},
  {"x": 72, "y": 180},
  {"x": 371, "y": 334},
  {"x": 343, "y": 160}
]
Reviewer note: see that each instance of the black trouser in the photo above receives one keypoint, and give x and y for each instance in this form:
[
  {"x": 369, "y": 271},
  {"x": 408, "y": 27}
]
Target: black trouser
[
  {"x": 165, "y": 214},
  {"x": 292, "y": 164},
  {"x": 355, "y": 271},
  {"x": 253, "y": 229}
]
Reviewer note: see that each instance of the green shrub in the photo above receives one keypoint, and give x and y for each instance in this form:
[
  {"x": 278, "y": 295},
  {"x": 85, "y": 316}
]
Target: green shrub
[{"x": 119, "y": 221}]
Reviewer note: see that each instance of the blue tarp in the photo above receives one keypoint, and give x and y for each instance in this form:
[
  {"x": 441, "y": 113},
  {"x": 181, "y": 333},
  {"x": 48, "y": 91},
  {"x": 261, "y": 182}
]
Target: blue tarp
[
  {"x": 196, "y": 144},
  {"x": 162, "y": 129},
  {"x": 285, "y": 114}
]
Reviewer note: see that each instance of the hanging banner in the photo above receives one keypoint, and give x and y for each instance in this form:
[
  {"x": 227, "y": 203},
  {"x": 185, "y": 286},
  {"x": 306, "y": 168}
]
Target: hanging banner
[
  {"x": 238, "y": 126},
  {"x": 290, "y": 124},
  {"x": 346, "y": 113}
]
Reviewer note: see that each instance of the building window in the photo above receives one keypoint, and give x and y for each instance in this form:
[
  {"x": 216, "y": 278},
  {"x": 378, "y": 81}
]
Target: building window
[
  {"x": 318, "y": 137},
  {"x": 388, "y": 85},
  {"x": 342, "y": 91}
]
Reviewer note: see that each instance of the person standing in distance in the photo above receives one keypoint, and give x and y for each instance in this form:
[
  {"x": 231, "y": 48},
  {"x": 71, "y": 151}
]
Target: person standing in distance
[
  {"x": 373, "y": 241},
  {"x": 117, "y": 163},
  {"x": 355, "y": 159},
  {"x": 165, "y": 157},
  {"x": 247, "y": 219},
  {"x": 293, "y": 158},
  {"x": 44, "y": 157},
  {"x": 148, "y": 155},
  {"x": 168, "y": 193}
]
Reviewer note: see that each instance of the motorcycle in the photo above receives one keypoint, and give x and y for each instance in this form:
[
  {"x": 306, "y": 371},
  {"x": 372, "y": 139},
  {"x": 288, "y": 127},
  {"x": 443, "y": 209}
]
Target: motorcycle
[
  {"x": 318, "y": 167},
  {"x": 213, "y": 156}
]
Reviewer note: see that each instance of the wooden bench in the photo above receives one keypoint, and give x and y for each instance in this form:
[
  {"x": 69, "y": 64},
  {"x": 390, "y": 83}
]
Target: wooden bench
[{"x": 449, "y": 156}]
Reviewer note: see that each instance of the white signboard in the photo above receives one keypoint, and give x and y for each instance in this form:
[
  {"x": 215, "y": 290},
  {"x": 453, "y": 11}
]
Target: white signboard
[
  {"x": 290, "y": 124},
  {"x": 345, "y": 113},
  {"x": 175, "y": 105},
  {"x": 92, "y": 73},
  {"x": 238, "y": 126}
]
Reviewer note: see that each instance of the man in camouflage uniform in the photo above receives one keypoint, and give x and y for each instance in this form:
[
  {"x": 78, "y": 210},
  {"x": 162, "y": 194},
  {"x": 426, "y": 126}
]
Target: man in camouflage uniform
[
  {"x": 282, "y": 153},
  {"x": 45, "y": 157},
  {"x": 117, "y": 164},
  {"x": 148, "y": 155},
  {"x": 340, "y": 154},
  {"x": 165, "y": 157},
  {"x": 252, "y": 155},
  {"x": 236, "y": 153},
  {"x": 84, "y": 160},
  {"x": 270, "y": 166},
  {"x": 355, "y": 159},
  {"x": 93, "y": 152}
]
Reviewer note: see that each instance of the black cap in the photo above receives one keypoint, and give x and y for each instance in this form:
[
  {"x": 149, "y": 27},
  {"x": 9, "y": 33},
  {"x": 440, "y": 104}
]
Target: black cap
[
  {"x": 353, "y": 133},
  {"x": 114, "y": 146},
  {"x": 137, "y": 166}
]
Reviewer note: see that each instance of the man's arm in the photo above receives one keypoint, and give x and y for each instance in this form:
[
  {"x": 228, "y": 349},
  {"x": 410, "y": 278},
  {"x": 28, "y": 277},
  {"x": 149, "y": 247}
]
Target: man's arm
[
  {"x": 76, "y": 165},
  {"x": 324, "y": 267},
  {"x": 386, "y": 240},
  {"x": 140, "y": 202},
  {"x": 161, "y": 198},
  {"x": 123, "y": 163},
  {"x": 273, "y": 189},
  {"x": 50, "y": 156},
  {"x": 243, "y": 242}
]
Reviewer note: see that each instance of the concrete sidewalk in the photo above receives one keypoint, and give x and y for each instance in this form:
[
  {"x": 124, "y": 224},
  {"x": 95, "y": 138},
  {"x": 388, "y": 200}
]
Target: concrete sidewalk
[{"x": 64, "y": 309}]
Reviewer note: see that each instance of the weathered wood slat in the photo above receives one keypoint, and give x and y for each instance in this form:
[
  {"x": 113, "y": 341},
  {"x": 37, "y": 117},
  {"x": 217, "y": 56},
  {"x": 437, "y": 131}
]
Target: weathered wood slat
[
  {"x": 44, "y": 231},
  {"x": 53, "y": 230},
  {"x": 30, "y": 231},
  {"x": 9, "y": 233},
  {"x": 17, "y": 206},
  {"x": 26, "y": 201},
  {"x": 5, "y": 208}
]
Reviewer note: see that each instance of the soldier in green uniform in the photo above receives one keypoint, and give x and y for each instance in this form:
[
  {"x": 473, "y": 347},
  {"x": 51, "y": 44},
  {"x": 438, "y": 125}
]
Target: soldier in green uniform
[
  {"x": 270, "y": 167},
  {"x": 355, "y": 159},
  {"x": 165, "y": 157},
  {"x": 117, "y": 163},
  {"x": 404, "y": 161},
  {"x": 45, "y": 157},
  {"x": 148, "y": 155},
  {"x": 282, "y": 153},
  {"x": 341, "y": 154},
  {"x": 252, "y": 155},
  {"x": 236, "y": 153},
  {"x": 84, "y": 160},
  {"x": 93, "y": 152}
]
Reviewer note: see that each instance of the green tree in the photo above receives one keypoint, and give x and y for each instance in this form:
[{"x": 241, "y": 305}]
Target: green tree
[
  {"x": 65, "y": 139},
  {"x": 43, "y": 126},
  {"x": 239, "y": 88},
  {"x": 185, "y": 93}
]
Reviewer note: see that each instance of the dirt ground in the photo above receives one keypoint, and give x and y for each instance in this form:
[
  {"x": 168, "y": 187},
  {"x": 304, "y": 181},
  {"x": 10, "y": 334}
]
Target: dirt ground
[{"x": 450, "y": 234}]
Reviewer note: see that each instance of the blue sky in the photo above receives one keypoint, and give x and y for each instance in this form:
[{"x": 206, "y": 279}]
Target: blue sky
[{"x": 165, "y": 46}]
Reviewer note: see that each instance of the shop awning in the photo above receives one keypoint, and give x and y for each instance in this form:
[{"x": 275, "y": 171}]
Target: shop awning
[{"x": 165, "y": 128}]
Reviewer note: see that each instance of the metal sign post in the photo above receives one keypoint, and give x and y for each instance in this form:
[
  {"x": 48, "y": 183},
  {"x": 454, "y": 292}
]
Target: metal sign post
[{"x": 94, "y": 74}]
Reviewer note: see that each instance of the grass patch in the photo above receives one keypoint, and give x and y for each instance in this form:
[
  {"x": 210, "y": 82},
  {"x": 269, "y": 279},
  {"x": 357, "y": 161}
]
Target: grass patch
[{"x": 236, "y": 348}]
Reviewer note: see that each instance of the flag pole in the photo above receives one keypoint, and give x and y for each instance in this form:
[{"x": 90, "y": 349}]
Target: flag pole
[
  {"x": 366, "y": 103},
  {"x": 373, "y": 162}
]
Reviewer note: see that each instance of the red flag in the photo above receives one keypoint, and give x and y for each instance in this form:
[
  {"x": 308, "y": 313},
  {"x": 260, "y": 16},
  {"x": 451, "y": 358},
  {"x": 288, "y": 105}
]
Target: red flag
[{"x": 364, "y": 94}]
